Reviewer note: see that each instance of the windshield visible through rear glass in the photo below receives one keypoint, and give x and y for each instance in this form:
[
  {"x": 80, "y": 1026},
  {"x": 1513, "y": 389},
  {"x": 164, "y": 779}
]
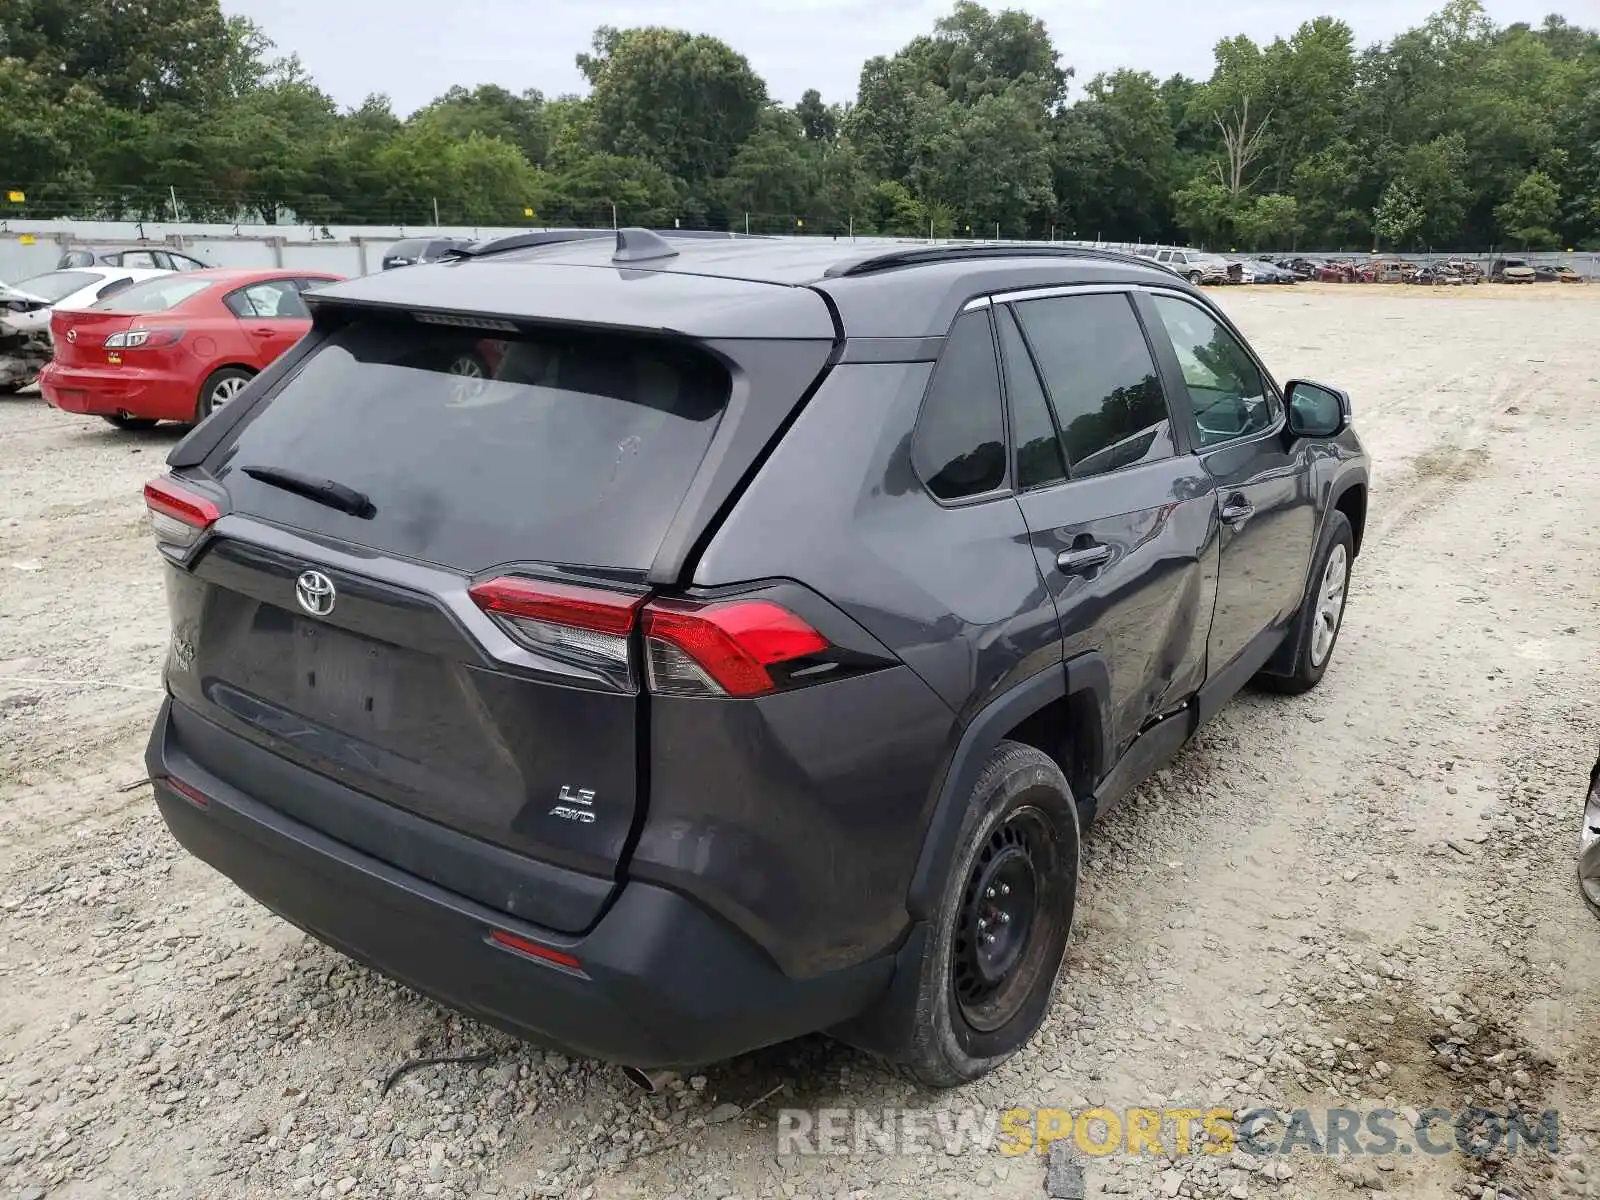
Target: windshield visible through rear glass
[
  {"x": 477, "y": 450},
  {"x": 154, "y": 295},
  {"x": 57, "y": 285}
]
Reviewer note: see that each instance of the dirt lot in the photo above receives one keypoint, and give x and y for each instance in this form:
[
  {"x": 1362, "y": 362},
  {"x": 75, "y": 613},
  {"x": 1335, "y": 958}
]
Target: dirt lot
[{"x": 1360, "y": 896}]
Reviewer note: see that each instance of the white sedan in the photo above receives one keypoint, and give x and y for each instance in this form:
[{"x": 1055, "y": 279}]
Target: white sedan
[{"x": 25, "y": 309}]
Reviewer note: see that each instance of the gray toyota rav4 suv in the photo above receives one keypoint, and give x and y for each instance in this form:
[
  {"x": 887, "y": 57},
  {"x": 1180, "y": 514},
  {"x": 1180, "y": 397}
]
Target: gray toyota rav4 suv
[{"x": 741, "y": 652}]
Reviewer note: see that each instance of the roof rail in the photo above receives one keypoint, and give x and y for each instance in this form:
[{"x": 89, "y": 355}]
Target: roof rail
[
  {"x": 521, "y": 241},
  {"x": 548, "y": 237},
  {"x": 916, "y": 256}
]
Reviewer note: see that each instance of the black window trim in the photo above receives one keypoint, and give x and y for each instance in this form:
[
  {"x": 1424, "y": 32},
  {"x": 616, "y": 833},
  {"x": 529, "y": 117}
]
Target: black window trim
[
  {"x": 1004, "y": 491},
  {"x": 1172, "y": 372},
  {"x": 1130, "y": 291},
  {"x": 1049, "y": 408}
]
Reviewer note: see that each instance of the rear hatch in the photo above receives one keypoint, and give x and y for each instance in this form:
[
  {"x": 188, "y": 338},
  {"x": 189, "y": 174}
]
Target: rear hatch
[{"x": 402, "y": 518}]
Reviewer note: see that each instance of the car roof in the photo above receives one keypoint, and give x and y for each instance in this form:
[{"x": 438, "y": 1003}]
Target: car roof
[
  {"x": 235, "y": 276},
  {"x": 742, "y": 287}
]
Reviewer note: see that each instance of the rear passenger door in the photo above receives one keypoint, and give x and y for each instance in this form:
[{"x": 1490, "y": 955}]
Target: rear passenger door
[
  {"x": 272, "y": 315},
  {"x": 1268, "y": 515},
  {"x": 1119, "y": 515}
]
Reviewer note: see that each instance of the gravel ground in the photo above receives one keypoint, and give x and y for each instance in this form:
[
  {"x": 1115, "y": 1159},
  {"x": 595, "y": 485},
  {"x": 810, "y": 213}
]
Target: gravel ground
[{"x": 1357, "y": 897}]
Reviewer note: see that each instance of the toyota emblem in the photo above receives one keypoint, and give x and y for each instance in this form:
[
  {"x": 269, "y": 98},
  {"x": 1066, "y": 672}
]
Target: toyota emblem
[
  {"x": 315, "y": 592},
  {"x": 72, "y": 335}
]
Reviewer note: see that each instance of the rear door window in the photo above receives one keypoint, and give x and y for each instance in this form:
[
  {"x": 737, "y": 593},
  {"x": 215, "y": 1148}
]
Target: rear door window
[
  {"x": 959, "y": 447},
  {"x": 277, "y": 299},
  {"x": 478, "y": 450},
  {"x": 1101, "y": 380}
]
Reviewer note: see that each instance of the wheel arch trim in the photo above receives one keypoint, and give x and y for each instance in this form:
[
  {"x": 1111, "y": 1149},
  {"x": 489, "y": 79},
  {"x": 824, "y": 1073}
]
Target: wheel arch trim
[{"x": 1086, "y": 673}]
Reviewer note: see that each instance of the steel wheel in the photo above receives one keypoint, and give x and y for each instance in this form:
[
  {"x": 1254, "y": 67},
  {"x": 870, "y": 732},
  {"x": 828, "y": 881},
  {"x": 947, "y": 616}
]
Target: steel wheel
[
  {"x": 467, "y": 367},
  {"x": 1330, "y": 605},
  {"x": 999, "y": 912}
]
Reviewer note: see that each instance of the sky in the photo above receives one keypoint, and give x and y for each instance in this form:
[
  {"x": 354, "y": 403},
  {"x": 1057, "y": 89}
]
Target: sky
[{"x": 413, "y": 50}]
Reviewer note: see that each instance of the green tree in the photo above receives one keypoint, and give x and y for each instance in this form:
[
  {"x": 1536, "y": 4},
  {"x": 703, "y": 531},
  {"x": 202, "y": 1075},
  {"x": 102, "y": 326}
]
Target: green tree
[
  {"x": 987, "y": 163},
  {"x": 1529, "y": 215},
  {"x": 642, "y": 192},
  {"x": 894, "y": 211},
  {"x": 1397, "y": 216},
  {"x": 134, "y": 56},
  {"x": 1270, "y": 222},
  {"x": 494, "y": 112},
  {"x": 818, "y": 121},
  {"x": 683, "y": 101},
  {"x": 1116, "y": 158},
  {"x": 770, "y": 175}
]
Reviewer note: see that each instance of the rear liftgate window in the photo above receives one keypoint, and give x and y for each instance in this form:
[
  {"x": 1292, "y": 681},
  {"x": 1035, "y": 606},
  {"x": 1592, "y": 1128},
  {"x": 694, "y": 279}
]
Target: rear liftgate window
[{"x": 479, "y": 449}]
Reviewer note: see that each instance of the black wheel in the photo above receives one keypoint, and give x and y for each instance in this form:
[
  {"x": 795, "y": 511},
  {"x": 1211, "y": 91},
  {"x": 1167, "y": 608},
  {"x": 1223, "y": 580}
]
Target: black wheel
[
  {"x": 219, "y": 389},
  {"x": 990, "y": 972},
  {"x": 1316, "y": 629},
  {"x": 129, "y": 423},
  {"x": 7, "y": 389}
]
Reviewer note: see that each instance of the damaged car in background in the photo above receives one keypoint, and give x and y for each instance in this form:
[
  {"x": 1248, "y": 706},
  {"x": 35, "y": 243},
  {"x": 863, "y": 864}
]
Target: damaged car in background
[{"x": 26, "y": 307}]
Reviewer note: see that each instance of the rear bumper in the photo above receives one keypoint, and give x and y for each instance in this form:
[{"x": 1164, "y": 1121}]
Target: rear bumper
[
  {"x": 660, "y": 981},
  {"x": 133, "y": 391}
]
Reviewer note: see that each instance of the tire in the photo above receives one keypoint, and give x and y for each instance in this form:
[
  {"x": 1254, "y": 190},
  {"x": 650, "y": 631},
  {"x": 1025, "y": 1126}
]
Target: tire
[
  {"x": 10, "y": 389},
  {"x": 220, "y": 387},
  {"x": 1194, "y": 277},
  {"x": 1020, "y": 837},
  {"x": 1313, "y": 651},
  {"x": 129, "y": 423}
]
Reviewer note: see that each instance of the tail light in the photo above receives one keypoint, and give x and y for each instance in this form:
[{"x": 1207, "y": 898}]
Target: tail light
[
  {"x": 737, "y": 648},
  {"x": 178, "y": 516},
  {"x": 133, "y": 339},
  {"x": 587, "y": 623},
  {"x": 724, "y": 649}
]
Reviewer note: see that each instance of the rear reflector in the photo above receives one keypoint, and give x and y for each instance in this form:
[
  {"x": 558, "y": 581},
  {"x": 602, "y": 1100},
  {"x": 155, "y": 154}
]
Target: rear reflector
[
  {"x": 531, "y": 949},
  {"x": 190, "y": 793},
  {"x": 723, "y": 649},
  {"x": 178, "y": 516}
]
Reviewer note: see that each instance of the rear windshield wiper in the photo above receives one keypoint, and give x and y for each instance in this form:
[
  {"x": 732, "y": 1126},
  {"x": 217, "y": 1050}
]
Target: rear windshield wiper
[{"x": 323, "y": 491}]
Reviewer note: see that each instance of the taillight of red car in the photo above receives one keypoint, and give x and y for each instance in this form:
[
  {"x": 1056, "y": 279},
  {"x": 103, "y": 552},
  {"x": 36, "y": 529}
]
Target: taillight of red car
[{"x": 145, "y": 339}]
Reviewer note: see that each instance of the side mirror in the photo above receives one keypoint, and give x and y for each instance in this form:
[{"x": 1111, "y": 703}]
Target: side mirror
[{"x": 1316, "y": 410}]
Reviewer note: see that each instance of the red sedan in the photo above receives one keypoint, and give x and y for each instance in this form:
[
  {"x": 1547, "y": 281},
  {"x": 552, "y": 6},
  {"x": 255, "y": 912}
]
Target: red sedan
[{"x": 175, "y": 348}]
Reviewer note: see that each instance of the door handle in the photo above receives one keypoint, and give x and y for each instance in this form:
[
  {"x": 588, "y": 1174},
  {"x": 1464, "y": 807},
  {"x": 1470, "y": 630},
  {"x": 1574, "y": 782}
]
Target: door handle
[
  {"x": 263, "y": 330},
  {"x": 1083, "y": 558},
  {"x": 1237, "y": 511}
]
